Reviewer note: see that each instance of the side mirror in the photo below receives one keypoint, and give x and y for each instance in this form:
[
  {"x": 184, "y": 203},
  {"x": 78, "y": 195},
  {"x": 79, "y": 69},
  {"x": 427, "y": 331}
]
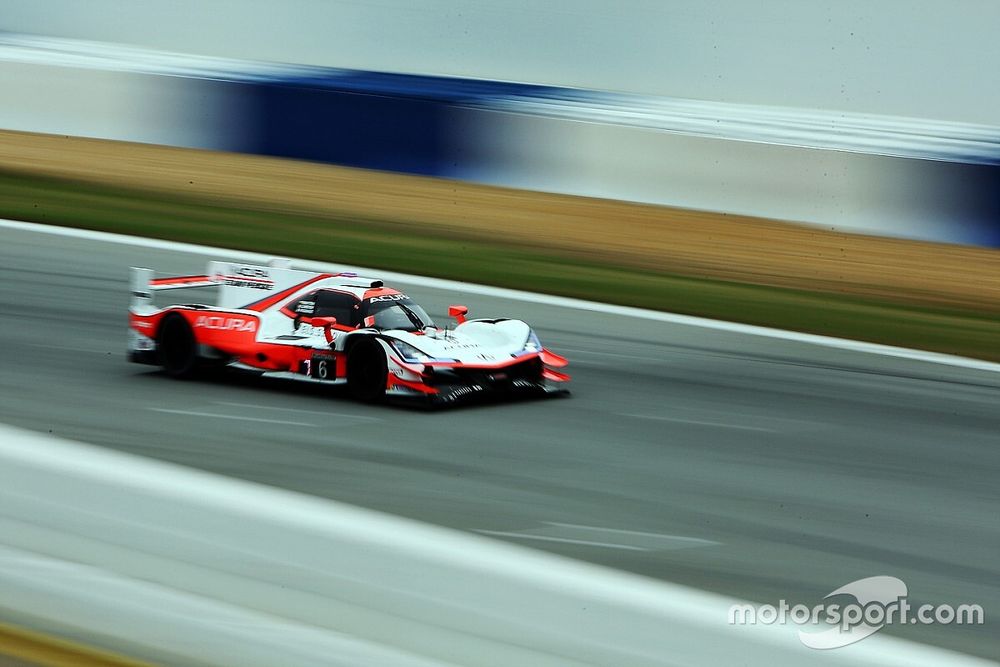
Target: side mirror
[
  {"x": 458, "y": 312},
  {"x": 327, "y": 323}
]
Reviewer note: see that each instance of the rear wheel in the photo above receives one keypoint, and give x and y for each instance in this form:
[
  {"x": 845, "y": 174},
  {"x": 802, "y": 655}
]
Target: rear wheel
[
  {"x": 367, "y": 371},
  {"x": 177, "y": 347}
]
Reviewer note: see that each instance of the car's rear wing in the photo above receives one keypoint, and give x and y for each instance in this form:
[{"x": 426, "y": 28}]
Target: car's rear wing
[{"x": 240, "y": 285}]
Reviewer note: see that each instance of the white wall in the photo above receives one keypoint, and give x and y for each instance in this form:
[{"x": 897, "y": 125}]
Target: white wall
[
  {"x": 833, "y": 189},
  {"x": 110, "y": 104}
]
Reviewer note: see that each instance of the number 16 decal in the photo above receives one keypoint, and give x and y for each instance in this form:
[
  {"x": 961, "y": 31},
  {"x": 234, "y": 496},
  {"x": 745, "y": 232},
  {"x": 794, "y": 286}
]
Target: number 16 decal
[{"x": 321, "y": 368}]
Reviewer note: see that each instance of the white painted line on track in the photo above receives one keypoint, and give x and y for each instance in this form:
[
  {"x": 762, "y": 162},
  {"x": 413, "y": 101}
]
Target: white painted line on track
[
  {"x": 63, "y": 348},
  {"x": 518, "y": 295},
  {"x": 565, "y": 540},
  {"x": 321, "y": 413},
  {"x": 733, "y": 414},
  {"x": 694, "y": 541},
  {"x": 698, "y": 422},
  {"x": 617, "y": 355},
  {"x": 215, "y": 415},
  {"x": 609, "y": 538}
]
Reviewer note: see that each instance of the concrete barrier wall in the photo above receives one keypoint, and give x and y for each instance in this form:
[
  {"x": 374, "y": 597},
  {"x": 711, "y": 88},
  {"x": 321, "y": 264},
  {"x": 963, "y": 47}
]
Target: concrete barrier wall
[{"x": 868, "y": 174}]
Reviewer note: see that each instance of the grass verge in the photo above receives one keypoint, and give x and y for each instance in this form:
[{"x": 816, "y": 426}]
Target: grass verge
[
  {"x": 400, "y": 245},
  {"x": 31, "y": 648}
]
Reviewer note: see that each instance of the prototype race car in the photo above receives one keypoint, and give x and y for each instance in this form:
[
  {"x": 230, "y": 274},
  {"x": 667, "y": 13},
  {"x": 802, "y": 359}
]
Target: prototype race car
[{"x": 335, "y": 328}]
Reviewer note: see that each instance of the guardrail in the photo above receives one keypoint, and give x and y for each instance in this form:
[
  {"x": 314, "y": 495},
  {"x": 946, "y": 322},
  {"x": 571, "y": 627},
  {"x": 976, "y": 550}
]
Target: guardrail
[{"x": 177, "y": 566}]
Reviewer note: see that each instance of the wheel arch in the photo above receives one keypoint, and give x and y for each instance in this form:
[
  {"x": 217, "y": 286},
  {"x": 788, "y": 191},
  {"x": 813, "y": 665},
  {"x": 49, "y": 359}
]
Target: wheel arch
[
  {"x": 367, "y": 367},
  {"x": 349, "y": 340}
]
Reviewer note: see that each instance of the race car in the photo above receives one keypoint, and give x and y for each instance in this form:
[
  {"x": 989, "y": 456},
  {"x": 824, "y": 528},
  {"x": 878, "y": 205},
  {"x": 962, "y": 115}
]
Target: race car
[{"x": 333, "y": 328}]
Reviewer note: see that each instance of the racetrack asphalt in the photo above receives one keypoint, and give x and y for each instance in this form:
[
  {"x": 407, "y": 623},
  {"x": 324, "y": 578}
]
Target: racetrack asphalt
[{"x": 754, "y": 467}]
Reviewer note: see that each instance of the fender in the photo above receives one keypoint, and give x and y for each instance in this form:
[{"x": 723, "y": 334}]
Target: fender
[
  {"x": 232, "y": 333},
  {"x": 226, "y": 323}
]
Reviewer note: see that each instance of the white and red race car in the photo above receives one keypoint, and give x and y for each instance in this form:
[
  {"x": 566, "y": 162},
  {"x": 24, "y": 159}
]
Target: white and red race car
[{"x": 335, "y": 328}]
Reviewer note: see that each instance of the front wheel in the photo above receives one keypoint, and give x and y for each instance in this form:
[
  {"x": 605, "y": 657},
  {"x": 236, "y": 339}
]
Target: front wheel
[{"x": 367, "y": 371}]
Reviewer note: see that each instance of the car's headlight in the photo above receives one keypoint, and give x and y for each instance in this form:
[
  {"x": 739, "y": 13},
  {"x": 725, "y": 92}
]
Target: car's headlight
[
  {"x": 412, "y": 354},
  {"x": 532, "y": 345}
]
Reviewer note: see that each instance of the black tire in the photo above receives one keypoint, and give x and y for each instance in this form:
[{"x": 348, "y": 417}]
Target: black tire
[
  {"x": 367, "y": 371},
  {"x": 177, "y": 347}
]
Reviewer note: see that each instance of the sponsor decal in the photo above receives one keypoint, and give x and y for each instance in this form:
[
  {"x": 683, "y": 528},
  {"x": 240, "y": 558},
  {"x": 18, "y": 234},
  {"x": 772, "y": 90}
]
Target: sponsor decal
[
  {"x": 305, "y": 307},
  {"x": 310, "y": 330},
  {"x": 230, "y": 282},
  {"x": 140, "y": 343},
  {"x": 460, "y": 346},
  {"x": 389, "y": 297},
  {"x": 253, "y": 272},
  {"x": 252, "y": 277},
  {"x": 226, "y": 323}
]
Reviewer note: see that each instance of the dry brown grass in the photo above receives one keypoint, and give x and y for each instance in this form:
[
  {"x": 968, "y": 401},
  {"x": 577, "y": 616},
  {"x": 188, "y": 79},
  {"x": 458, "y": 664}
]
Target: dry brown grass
[{"x": 677, "y": 241}]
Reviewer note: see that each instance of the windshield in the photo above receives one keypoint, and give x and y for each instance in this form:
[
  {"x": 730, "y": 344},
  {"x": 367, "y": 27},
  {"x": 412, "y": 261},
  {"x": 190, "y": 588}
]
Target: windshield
[{"x": 399, "y": 312}]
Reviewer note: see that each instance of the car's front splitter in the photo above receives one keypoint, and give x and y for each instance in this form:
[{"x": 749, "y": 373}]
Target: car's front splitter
[{"x": 461, "y": 394}]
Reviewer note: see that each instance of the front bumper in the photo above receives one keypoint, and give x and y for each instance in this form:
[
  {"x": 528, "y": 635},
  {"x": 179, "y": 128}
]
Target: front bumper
[{"x": 455, "y": 385}]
